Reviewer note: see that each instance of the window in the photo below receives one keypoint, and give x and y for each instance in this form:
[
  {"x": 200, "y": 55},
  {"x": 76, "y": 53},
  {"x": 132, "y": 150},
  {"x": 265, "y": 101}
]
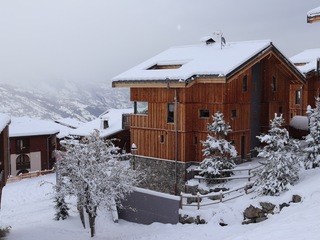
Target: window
[
  {"x": 170, "y": 117},
  {"x": 22, "y": 162},
  {"x": 274, "y": 84},
  {"x": 298, "y": 97},
  {"x": 164, "y": 66},
  {"x": 245, "y": 84},
  {"x": 161, "y": 138},
  {"x": 195, "y": 140},
  {"x": 234, "y": 113},
  {"x": 141, "y": 107},
  {"x": 22, "y": 144},
  {"x": 204, "y": 113},
  {"x": 280, "y": 109}
]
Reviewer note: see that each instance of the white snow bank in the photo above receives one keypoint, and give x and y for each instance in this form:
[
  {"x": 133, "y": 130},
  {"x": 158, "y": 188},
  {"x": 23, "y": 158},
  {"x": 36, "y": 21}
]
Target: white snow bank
[{"x": 300, "y": 122}]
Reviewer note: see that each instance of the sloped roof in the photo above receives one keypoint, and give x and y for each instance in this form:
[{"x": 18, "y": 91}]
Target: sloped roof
[
  {"x": 313, "y": 15},
  {"x": 306, "y": 61},
  {"x": 211, "y": 60},
  {"x": 25, "y": 126},
  {"x": 199, "y": 59},
  {"x": 4, "y": 121},
  {"x": 114, "y": 117},
  {"x": 69, "y": 122}
]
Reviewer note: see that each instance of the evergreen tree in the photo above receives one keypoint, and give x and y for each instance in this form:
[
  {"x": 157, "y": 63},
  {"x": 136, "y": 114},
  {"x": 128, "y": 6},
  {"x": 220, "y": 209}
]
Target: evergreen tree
[
  {"x": 61, "y": 208},
  {"x": 280, "y": 152},
  {"x": 92, "y": 171},
  {"x": 217, "y": 150},
  {"x": 312, "y": 151}
]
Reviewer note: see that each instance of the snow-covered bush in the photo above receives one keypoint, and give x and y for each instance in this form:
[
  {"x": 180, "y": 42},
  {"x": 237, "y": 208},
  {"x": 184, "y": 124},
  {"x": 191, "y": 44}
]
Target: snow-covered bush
[
  {"x": 312, "y": 151},
  {"x": 217, "y": 150},
  {"x": 280, "y": 168},
  {"x": 92, "y": 171}
]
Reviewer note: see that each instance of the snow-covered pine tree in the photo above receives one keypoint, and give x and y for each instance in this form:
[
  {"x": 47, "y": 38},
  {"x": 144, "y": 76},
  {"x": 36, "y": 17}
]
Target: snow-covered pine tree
[
  {"x": 94, "y": 174},
  {"x": 280, "y": 152},
  {"x": 217, "y": 150},
  {"x": 312, "y": 158}
]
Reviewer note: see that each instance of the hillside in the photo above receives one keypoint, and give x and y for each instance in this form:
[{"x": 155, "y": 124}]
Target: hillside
[
  {"x": 67, "y": 99},
  {"x": 28, "y": 207}
]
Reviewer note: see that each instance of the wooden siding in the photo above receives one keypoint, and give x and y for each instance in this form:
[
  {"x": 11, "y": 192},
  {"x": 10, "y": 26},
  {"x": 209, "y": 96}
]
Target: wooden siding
[{"x": 147, "y": 131}]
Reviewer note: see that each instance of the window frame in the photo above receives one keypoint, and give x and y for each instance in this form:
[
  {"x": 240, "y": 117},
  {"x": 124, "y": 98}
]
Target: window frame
[
  {"x": 170, "y": 113},
  {"x": 298, "y": 97},
  {"x": 137, "y": 108},
  {"x": 202, "y": 115}
]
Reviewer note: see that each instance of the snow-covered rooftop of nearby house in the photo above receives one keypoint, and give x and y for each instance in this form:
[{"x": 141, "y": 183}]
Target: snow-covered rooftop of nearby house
[
  {"x": 308, "y": 57},
  {"x": 314, "y": 12},
  {"x": 69, "y": 122},
  {"x": 25, "y": 126},
  {"x": 199, "y": 59},
  {"x": 114, "y": 117},
  {"x": 4, "y": 121}
]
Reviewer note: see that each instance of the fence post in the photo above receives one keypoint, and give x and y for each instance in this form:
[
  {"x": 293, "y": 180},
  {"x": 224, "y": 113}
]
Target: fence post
[
  {"x": 221, "y": 195},
  {"x": 198, "y": 200},
  {"x": 181, "y": 199},
  {"x": 249, "y": 173}
]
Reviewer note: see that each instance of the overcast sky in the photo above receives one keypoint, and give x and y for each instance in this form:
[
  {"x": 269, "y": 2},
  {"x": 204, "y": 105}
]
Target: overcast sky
[{"x": 91, "y": 41}]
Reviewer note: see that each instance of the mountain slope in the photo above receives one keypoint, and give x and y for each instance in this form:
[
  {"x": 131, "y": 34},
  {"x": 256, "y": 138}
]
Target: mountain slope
[{"x": 67, "y": 100}]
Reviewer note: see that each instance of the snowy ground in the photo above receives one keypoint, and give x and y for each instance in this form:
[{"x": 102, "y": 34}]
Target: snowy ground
[{"x": 28, "y": 208}]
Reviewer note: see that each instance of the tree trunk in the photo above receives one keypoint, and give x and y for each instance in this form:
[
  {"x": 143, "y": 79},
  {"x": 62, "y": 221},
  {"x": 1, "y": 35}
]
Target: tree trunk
[
  {"x": 81, "y": 214},
  {"x": 92, "y": 221}
]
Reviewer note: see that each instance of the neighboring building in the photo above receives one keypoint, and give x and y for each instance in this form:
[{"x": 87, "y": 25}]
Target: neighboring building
[
  {"x": 112, "y": 124},
  {"x": 69, "y": 122},
  {"x": 32, "y": 144},
  {"x": 176, "y": 92},
  {"x": 313, "y": 15},
  {"x": 4, "y": 149},
  {"x": 303, "y": 95}
]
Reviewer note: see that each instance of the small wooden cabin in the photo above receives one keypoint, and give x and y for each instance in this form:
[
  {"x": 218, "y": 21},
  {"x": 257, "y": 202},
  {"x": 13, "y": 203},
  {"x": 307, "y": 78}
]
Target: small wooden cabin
[
  {"x": 112, "y": 124},
  {"x": 313, "y": 15},
  {"x": 4, "y": 149},
  {"x": 32, "y": 145},
  {"x": 302, "y": 95},
  {"x": 176, "y": 92}
]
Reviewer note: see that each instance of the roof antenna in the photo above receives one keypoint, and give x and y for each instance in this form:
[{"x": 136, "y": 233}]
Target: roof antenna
[{"x": 222, "y": 39}]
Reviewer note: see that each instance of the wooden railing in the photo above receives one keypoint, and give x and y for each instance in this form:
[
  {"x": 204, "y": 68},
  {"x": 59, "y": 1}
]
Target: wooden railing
[
  {"x": 29, "y": 175},
  {"x": 197, "y": 200}
]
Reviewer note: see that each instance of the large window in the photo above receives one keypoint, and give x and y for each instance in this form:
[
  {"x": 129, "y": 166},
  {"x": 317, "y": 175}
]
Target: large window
[
  {"x": 22, "y": 162},
  {"x": 141, "y": 107},
  {"x": 170, "y": 118}
]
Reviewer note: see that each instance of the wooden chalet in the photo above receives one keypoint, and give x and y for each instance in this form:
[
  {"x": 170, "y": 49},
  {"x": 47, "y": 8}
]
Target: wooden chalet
[
  {"x": 4, "y": 150},
  {"x": 32, "y": 145},
  {"x": 313, "y": 15},
  {"x": 112, "y": 124},
  {"x": 176, "y": 92},
  {"x": 302, "y": 95}
]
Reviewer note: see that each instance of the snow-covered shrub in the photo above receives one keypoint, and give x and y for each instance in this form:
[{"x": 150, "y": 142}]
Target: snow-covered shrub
[
  {"x": 312, "y": 151},
  {"x": 280, "y": 168},
  {"x": 217, "y": 150}
]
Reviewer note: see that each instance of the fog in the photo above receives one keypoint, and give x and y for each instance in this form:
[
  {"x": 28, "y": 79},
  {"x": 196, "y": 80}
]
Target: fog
[{"x": 91, "y": 41}]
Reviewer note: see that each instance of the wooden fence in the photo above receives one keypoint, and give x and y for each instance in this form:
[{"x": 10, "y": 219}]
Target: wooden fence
[
  {"x": 29, "y": 175},
  {"x": 197, "y": 200}
]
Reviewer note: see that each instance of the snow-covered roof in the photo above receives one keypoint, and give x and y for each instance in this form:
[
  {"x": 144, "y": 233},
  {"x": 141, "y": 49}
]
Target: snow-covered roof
[
  {"x": 114, "y": 117},
  {"x": 313, "y": 14},
  {"x": 199, "y": 59},
  {"x": 69, "y": 122},
  {"x": 307, "y": 60},
  {"x": 4, "y": 121},
  {"x": 25, "y": 126}
]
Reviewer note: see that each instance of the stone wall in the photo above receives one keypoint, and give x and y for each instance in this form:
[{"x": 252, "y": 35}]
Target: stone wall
[{"x": 161, "y": 174}]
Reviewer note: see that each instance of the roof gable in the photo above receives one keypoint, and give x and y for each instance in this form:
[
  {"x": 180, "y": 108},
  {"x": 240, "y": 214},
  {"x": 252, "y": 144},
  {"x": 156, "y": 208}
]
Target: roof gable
[
  {"x": 4, "y": 121},
  {"x": 306, "y": 61}
]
